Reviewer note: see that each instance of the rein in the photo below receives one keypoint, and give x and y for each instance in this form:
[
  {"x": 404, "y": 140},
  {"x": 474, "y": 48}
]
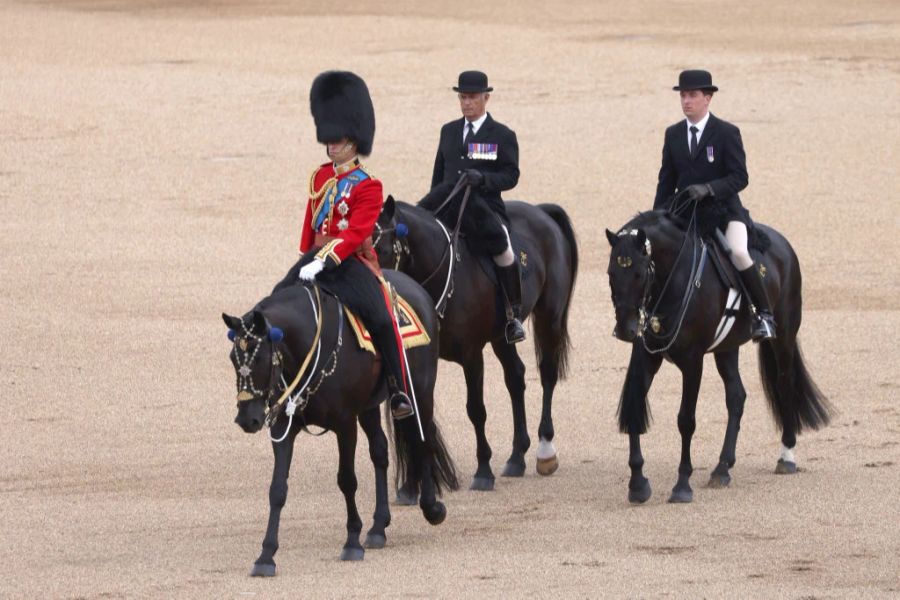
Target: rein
[
  {"x": 693, "y": 283},
  {"x": 300, "y": 399}
]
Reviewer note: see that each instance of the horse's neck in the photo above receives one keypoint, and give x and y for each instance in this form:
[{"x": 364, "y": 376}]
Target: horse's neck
[
  {"x": 666, "y": 240},
  {"x": 427, "y": 241}
]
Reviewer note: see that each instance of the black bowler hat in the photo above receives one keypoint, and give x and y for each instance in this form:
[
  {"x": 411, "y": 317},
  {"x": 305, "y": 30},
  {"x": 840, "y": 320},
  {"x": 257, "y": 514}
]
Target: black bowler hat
[
  {"x": 695, "y": 80},
  {"x": 472, "y": 82}
]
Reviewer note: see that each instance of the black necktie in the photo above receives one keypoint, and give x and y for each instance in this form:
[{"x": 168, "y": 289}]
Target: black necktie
[
  {"x": 694, "y": 131},
  {"x": 470, "y": 134}
]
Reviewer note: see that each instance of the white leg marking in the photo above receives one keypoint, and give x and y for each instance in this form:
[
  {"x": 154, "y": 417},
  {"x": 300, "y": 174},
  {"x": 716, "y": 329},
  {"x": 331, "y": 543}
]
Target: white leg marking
[
  {"x": 787, "y": 455},
  {"x": 545, "y": 450}
]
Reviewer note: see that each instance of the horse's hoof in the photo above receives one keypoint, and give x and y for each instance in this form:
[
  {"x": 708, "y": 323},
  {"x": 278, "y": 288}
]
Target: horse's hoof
[
  {"x": 375, "y": 541},
  {"x": 482, "y": 484},
  {"x": 785, "y": 467},
  {"x": 719, "y": 480},
  {"x": 514, "y": 469},
  {"x": 436, "y": 513},
  {"x": 640, "y": 494},
  {"x": 350, "y": 553},
  {"x": 263, "y": 570},
  {"x": 547, "y": 466},
  {"x": 681, "y": 496},
  {"x": 406, "y": 498}
]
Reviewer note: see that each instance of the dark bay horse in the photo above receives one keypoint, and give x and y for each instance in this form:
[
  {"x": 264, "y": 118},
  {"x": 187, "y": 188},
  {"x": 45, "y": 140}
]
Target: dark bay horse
[
  {"x": 300, "y": 331},
  {"x": 668, "y": 306},
  {"x": 473, "y": 317}
]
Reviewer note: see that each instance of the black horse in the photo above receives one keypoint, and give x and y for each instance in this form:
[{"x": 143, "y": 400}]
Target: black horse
[
  {"x": 668, "y": 305},
  {"x": 298, "y": 333},
  {"x": 549, "y": 257}
]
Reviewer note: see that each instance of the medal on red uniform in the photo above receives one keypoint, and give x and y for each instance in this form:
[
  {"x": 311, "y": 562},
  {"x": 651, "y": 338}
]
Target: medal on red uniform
[
  {"x": 483, "y": 151},
  {"x": 710, "y": 156}
]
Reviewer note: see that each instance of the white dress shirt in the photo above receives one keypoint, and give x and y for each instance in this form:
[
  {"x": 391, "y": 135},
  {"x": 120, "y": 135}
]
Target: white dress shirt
[{"x": 476, "y": 125}]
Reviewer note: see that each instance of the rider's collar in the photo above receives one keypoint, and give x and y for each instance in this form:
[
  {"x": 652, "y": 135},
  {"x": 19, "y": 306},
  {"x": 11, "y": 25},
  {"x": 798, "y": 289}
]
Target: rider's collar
[{"x": 346, "y": 167}]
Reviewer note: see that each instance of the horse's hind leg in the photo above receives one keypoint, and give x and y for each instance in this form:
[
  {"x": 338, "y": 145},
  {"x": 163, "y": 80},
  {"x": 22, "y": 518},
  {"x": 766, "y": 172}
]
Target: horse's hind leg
[
  {"x": 346, "y": 437},
  {"x": 434, "y": 510},
  {"x": 727, "y": 365},
  {"x": 514, "y": 376},
  {"x": 783, "y": 349},
  {"x": 284, "y": 451},
  {"x": 474, "y": 372},
  {"x": 691, "y": 373},
  {"x": 370, "y": 421}
]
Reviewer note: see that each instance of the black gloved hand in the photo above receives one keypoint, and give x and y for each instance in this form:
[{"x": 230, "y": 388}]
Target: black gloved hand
[
  {"x": 474, "y": 177},
  {"x": 698, "y": 191}
]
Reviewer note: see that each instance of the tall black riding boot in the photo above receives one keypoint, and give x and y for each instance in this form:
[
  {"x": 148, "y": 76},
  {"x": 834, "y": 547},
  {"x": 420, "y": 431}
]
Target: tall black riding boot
[
  {"x": 764, "y": 321},
  {"x": 511, "y": 283},
  {"x": 386, "y": 342}
]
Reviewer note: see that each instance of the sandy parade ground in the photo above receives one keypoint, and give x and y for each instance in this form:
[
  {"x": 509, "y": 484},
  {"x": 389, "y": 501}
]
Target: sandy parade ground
[{"x": 153, "y": 167}]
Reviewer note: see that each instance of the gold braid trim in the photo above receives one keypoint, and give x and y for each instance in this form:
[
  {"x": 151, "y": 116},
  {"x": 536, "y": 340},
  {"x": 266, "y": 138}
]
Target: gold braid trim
[{"x": 328, "y": 251}]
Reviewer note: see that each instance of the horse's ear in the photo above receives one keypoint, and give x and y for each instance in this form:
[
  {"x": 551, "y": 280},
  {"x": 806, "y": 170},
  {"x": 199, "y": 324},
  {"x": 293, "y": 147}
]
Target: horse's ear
[
  {"x": 233, "y": 323},
  {"x": 613, "y": 238},
  {"x": 389, "y": 207},
  {"x": 260, "y": 326}
]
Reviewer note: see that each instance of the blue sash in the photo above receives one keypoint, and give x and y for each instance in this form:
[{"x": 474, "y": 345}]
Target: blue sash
[{"x": 338, "y": 192}]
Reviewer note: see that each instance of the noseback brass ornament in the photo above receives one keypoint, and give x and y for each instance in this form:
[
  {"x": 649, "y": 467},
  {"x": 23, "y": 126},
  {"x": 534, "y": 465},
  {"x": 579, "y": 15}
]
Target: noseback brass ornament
[
  {"x": 244, "y": 396},
  {"x": 624, "y": 261}
]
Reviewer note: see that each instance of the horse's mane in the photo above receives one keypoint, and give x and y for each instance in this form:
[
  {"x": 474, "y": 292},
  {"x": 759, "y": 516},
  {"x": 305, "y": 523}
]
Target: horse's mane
[
  {"x": 655, "y": 219},
  {"x": 650, "y": 219}
]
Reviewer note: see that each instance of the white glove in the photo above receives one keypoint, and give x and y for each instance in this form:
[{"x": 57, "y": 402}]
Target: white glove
[{"x": 309, "y": 271}]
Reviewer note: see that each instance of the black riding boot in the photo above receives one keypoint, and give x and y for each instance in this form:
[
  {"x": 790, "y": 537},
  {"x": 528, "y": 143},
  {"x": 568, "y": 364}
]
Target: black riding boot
[
  {"x": 386, "y": 342},
  {"x": 764, "y": 321},
  {"x": 511, "y": 282},
  {"x": 401, "y": 406}
]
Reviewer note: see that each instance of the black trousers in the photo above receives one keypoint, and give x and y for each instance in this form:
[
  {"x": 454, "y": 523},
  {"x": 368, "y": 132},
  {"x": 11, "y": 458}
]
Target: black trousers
[
  {"x": 360, "y": 291},
  {"x": 483, "y": 219}
]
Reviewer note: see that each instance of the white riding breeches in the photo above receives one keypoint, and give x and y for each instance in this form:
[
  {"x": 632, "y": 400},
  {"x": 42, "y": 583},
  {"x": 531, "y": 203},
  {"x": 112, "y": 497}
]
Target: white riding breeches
[
  {"x": 736, "y": 234},
  {"x": 506, "y": 258}
]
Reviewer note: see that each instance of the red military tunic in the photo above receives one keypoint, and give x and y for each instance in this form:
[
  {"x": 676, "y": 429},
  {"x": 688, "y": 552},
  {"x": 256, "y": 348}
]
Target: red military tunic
[{"x": 349, "y": 217}]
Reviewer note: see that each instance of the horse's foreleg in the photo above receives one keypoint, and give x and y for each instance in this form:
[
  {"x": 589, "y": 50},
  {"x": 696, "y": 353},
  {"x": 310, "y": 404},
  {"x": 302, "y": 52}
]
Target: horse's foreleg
[
  {"x": 727, "y": 365},
  {"x": 474, "y": 372},
  {"x": 370, "y": 421},
  {"x": 691, "y": 374},
  {"x": 514, "y": 376},
  {"x": 283, "y": 451},
  {"x": 634, "y": 416},
  {"x": 346, "y": 478}
]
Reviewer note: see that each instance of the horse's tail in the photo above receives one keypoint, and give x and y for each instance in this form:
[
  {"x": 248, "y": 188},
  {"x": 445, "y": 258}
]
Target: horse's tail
[
  {"x": 545, "y": 334},
  {"x": 406, "y": 440},
  {"x": 803, "y": 405},
  {"x": 443, "y": 470}
]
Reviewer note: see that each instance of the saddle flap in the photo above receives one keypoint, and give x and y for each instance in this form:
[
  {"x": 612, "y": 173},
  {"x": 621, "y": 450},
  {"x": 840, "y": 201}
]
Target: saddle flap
[{"x": 412, "y": 332}]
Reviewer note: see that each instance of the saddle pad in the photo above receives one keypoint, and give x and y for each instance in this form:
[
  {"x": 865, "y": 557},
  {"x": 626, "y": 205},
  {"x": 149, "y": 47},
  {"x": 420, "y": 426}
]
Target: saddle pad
[{"x": 411, "y": 329}]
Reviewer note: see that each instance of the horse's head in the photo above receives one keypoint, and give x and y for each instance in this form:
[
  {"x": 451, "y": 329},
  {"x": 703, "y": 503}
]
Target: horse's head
[
  {"x": 258, "y": 364},
  {"x": 390, "y": 241},
  {"x": 630, "y": 273}
]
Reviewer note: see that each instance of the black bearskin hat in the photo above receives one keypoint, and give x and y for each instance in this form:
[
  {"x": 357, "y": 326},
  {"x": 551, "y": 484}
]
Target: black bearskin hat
[{"x": 341, "y": 107}]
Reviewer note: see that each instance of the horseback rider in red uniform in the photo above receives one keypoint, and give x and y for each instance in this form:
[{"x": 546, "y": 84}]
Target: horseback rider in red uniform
[{"x": 344, "y": 203}]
